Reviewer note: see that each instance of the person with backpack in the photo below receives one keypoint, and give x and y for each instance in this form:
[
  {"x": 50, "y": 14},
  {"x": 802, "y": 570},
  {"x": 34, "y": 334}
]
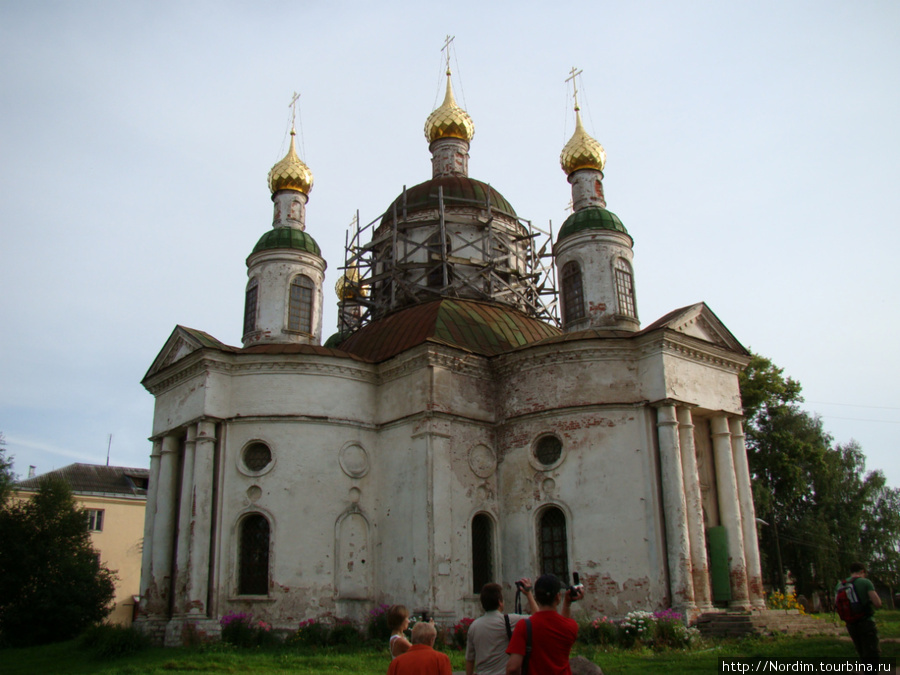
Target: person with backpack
[
  {"x": 540, "y": 645},
  {"x": 855, "y": 600},
  {"x": 489, "y": 634}
]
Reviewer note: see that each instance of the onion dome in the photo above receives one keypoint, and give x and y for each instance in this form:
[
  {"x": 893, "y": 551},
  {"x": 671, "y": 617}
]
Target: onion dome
[
  {"x": 291, "y": 173},
  {"x": 287, "y": 237},
  {"x": 449, "y": 120},
  {"x": 591, "y": 218},
  {"x": 347, "y": 287},
  {"x": 582, "y": 151}
]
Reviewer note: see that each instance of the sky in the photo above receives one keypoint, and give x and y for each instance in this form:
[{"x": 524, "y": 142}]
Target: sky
[{"x": 753, "y": 154}]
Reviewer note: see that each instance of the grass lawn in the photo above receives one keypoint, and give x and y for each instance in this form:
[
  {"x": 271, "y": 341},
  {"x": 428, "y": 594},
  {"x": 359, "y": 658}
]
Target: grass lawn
[{"x": 68, "y": 657}]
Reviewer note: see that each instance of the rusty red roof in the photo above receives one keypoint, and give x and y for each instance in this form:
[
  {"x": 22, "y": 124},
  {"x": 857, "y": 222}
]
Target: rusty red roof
[{"x": 483, "y": 328}]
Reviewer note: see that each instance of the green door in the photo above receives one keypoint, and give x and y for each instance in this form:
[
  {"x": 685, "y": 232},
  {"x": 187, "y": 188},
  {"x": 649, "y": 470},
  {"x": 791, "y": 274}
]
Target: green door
[{"x": 718, "y": 563}]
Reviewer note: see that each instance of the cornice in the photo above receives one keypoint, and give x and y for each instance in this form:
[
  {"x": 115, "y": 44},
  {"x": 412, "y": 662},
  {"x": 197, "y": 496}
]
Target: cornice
[
  {"x": 588, "y": 350},
  {"x": 434, "y": 356},
  {"x": 212, "y": 361},
  {"x": 670, "y": 342}
]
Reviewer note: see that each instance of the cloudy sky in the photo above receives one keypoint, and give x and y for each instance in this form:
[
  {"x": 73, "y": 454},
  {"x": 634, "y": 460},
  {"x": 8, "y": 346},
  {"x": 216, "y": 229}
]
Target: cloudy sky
[{"x": 753, "y": 154}]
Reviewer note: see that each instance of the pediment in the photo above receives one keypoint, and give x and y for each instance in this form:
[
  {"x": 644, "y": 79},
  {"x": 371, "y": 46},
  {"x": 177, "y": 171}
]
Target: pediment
[
  {"x": 181, "y": 343},
  {"x": 700, "y": 322}
]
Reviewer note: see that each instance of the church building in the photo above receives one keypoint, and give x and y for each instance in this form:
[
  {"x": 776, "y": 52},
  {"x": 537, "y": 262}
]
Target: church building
[{"x": 465, "y": 424}]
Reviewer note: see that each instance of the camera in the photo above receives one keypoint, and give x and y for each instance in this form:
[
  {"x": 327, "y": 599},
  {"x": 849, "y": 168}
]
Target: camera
[
  {"x": 575, "y": 587},
  {"x": 520, "y": 586},
  {"x": 425, "y": 615}
]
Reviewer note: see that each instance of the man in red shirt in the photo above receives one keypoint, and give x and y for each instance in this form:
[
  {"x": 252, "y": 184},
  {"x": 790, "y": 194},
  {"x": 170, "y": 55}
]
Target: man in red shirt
[
  {"x": 552, "y": 632},
  {"x": 421, "y": 659}
]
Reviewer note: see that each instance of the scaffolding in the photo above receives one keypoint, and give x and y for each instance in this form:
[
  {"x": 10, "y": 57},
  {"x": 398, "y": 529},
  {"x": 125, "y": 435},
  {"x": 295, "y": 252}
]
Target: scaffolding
[{"x": 457, "y": 248}]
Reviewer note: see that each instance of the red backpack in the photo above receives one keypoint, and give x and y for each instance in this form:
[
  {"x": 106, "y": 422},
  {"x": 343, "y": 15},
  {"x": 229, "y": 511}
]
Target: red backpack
[{"x": 847, "y": 603}]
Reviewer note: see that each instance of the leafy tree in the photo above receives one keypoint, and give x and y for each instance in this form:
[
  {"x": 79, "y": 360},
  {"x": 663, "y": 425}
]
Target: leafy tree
[
  {"x": 822, "y": 507},
  {"x": 52, "y": 585},
  {"x": 7, "y": 477}
]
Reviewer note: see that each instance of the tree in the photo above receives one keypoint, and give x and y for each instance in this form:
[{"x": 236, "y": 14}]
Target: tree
[
  {"x": 823, "y": 509},
  {"x": 52, "y": 585},
  {"x": 7, "y": 477}
]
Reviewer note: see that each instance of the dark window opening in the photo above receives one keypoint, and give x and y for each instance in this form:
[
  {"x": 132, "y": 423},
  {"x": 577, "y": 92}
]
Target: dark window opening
[
  {"x": 554, "y": 542},
  {"x": 548, "y": 449},
  {"x": 257, "y": 456},
  {"x": 253, "y": 573},
  {"x": 250, "y": 308},
  {"x": 573, "y": 293},
  {"x": 482, "y": 551},
  {"x": 625, "y": 288}
]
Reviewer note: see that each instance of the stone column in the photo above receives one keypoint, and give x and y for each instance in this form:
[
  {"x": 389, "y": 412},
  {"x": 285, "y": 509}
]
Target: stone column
[
  {"x": 182, "y": 545},
  {"x": 149, "y": 514},
  {"x": 201, "y": 506},
  {"x": 729, "y": 510},
  {"x": 677, "y": 540},
  {"x": 748, "y": 514},
  {"x": 163, "y": 530},
  {"x": 694, "y": 510}
]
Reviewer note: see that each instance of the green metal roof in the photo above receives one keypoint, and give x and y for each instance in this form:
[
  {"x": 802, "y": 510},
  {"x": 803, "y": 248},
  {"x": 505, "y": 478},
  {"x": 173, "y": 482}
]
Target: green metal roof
[
  {"x": 287, "y": 237},
  {"x": 457, "y": 190},
  {"x": 591, "y": 218}
]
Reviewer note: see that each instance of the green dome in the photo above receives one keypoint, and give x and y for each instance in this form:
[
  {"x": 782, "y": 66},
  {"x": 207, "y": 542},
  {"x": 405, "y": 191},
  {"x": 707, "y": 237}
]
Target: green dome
[
  {"x": 287, "y": 237},
  {"x": 591, "y": 218}
]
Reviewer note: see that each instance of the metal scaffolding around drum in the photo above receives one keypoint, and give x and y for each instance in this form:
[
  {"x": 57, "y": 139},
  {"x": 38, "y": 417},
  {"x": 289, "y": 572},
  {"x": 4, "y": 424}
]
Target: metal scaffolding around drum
[{"x": 458, "y": 248}]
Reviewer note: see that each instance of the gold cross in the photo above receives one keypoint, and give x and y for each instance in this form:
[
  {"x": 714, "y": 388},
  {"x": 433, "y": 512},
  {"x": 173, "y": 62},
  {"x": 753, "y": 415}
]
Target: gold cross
[
  {"x": 447, "y": 41},
  {"x": 293, "y": 106},
  {"x": 572, "y": 75}
]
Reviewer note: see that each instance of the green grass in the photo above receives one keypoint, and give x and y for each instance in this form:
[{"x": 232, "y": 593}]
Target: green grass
[{"x": 68, "y": 658}]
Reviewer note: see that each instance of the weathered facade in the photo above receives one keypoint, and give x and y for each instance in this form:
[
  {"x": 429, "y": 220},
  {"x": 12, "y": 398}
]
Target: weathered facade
[{"x": 451, "y": 433}]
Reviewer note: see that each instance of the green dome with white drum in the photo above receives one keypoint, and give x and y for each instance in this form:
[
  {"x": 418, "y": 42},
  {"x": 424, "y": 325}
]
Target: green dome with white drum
[{"x": 591, "y": 218}]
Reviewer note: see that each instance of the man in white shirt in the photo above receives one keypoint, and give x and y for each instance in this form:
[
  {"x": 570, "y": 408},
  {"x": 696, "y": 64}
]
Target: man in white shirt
[{"x": 489, "y": 635}]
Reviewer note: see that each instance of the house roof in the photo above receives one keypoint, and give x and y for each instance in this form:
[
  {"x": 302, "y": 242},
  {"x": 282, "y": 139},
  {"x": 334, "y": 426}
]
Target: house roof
[{"x": 97, "y": 479}]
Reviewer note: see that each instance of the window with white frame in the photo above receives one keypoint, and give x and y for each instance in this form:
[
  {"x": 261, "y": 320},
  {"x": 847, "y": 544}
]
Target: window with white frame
[
  {"x": 300, "y": 307},
  {"x": 94, "y": 520},
  {"x": 625, "y": 288}
]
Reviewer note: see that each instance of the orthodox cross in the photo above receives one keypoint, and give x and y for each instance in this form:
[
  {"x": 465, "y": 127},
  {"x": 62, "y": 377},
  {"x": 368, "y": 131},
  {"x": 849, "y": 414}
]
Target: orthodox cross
[
  {"x": 572, "y": 75},
  {"x": 293, "y": 107},
  {"x": 446, "y": 47}
]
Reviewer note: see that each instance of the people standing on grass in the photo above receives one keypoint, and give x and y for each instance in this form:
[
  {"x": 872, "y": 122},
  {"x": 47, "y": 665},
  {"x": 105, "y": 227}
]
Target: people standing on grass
[
  {"x": 489, "y": 634},
  {"x": 862, "y": 630},
  {"x": 398, "y": 622},
  {"x": 421, "y": 658}
]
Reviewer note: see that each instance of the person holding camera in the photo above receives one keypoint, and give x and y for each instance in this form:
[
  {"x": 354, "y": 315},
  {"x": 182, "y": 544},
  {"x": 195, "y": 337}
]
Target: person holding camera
[
  {"x": 541, "y": 644},
  {"x": 489, "y": 634}
]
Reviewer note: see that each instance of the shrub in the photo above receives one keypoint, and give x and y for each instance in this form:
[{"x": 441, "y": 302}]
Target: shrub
[
  {"x": 310, "y": 633},
  {"x": 377, "y": 627},
  {"x": 241, "y": 630},
  {"x": 601, "y": 631},
  {"x": 637, "y": 626},
  {"x": 460, "y": 632},
  {"x": 344, "y": 632},
  {"x": 779, "y": 600},
  {"x": 112, "y": 641}
]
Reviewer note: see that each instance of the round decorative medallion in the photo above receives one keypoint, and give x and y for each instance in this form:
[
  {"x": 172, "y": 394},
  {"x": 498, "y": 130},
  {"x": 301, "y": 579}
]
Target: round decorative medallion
[
  {"x": 254, "y": 492},
  {"x": 354, "y": 460},
  {"x": 482, "y": 461},
  {"x": 354, "y": 494},
  {"x": 548, "y": 486}
]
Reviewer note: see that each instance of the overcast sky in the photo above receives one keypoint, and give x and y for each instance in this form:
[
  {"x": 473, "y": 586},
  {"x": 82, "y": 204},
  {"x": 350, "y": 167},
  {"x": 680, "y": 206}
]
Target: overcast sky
[{"x": 753, "y": 154}]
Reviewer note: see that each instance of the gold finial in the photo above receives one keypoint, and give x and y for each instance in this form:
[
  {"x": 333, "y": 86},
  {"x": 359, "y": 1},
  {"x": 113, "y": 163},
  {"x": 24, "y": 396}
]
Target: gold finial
[
  {"x": 291, "y": 173},
  {"x": 582, "y": 151},
  {"x": 449, "y": 120}
]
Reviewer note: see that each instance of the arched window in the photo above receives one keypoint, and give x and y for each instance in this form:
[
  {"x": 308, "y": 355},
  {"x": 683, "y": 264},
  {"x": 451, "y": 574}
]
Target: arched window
[
  {"x": 300, "y": 307},
  {"x": 253, "y": 556},
  {"x": 482, "y": 551},
  {"x": 573, "y": 292},
  {"x": 625, "y": 288},
  {"x": 554, "y": 544},
  {"x": 250, "y": 306}
]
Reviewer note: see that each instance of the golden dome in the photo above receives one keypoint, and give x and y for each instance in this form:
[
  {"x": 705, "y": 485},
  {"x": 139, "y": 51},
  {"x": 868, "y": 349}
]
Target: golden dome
[
  {"x": 582, "y": 151},
  {"x": 347, "y": 287},
  {"x": 291, "y": 173},
  {"x": 449, "y": 120}
]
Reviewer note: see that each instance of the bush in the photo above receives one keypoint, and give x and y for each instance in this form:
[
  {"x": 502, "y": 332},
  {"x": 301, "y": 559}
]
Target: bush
[
  {"x": 344, "y": 632},
  {"x": 601, "y": 631},
  {"x": 660, "y": 630},
  {"x": 241, "y": 630},
  {"x": 779, "y": 600},
  {"x": 460, "y": 632},
  {"x": 112, "y": 641},
  {"x": 310, "y": 633},
  {"x": 377, "y": 627}
]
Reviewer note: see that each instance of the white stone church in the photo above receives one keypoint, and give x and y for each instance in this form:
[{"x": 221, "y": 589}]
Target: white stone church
[{"x": 466, "y": 424}]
